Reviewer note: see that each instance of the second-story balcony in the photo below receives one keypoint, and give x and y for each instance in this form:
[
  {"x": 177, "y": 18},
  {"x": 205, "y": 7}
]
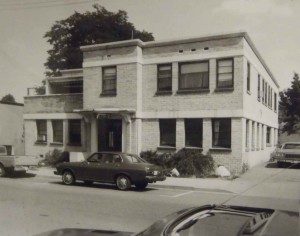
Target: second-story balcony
[{"x": 63, "y": 94}]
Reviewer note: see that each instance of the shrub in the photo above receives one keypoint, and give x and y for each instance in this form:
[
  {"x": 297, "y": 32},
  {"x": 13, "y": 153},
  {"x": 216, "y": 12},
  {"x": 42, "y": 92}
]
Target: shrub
[{"x": 56, "y": 156}]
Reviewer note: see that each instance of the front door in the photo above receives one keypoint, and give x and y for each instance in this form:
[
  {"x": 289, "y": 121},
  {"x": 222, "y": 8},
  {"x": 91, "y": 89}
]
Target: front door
[{"x": 110, "y": 135}]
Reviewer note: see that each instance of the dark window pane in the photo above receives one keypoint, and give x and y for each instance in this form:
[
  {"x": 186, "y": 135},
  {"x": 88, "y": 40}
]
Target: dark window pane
[
  {"x": 75, "y": 131},
  {"x": 221, "y": 133},
  {"x": 194, "y": 75},
  {"x": 57, "y": 130},
  {"x": 109, "y": 78},
  {"x": 225, "y": 73},
  {"x": 41, "y": 130},
  {"x": 167, "y": 129},
  {"x": 164, "y": 77},
  {"x": 193, "y": 132}
]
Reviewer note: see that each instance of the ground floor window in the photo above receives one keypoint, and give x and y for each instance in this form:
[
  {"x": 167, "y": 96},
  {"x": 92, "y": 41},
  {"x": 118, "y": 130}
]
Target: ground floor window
[
  {"x": 75, "y": 132},
  {"x": 268, "y": 135},
  {"x": 221, "y": 131},
  {"x": 41, "y": 130},
  {"x": 57, "y": 126},
  {"x": 193, "y": 132},
  {"x": 167, "y": 128}
]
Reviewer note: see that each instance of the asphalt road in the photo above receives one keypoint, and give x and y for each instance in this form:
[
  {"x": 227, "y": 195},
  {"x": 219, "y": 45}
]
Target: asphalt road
[{"x": 30, "y": 204}]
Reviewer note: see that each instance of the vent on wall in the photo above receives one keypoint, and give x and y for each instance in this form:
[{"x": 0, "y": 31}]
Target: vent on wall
[
  {"x": 206, "y": 48},
  {"x": 180, "y": 51},
  {"x": 193, "y": 49}
]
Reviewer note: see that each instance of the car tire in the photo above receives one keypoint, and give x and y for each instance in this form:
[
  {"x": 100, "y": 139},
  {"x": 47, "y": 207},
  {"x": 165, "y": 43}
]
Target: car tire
[
  {"x": 68, "y": 178},
  {"x": 87, "y": 182},
  {"x": 2, "y": 171},
  {"x": 141, "y": 186},
  {"x": 123, "y": 182}
]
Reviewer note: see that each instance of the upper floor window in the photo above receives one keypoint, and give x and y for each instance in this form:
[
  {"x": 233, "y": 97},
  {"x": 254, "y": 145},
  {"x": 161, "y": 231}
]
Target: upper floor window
[
  {"x": 193, "y": 132},
  {"x": 167, "y": 128},
  {"x": 248, "y": 76},
  {"x": 258, "y": 87},
  {"x": 221, "y": 129},
  {"x": 194, "y": 75},
  {"x": 109, "y": 80},
  {"x": 225, "y": 73},
  {"x": 164, "y": 77},
  {"x": 41, "y": 130},
  {"x": 57, "y": 126},
  {"x": 275, "y": 102},
  {"x": 263, "y": 91},
  {"x": 266, "y": 93},
  {"x": 75, "y": 132}
]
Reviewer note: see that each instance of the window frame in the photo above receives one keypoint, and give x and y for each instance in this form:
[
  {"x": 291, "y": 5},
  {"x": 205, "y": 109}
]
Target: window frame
[
  {"x": 258, "y": 87},
  {"x": 180, "y": 64},
  {"x": 275, "y": 101},
  {"x": 71, "y": 141},
  {"x": 159, "y": 90},
  {"x": 162, "y": 132},
  {"x": 55, "y": 135},
  {"x": 217, "y": 67},
  {"x": 109, "y": 92},
  {"x": 218, "y": 146},
  {"x": 39, "y": 133}
]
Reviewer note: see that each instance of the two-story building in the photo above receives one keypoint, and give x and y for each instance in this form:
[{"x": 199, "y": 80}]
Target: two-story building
[{"x": 214, "y": 93}]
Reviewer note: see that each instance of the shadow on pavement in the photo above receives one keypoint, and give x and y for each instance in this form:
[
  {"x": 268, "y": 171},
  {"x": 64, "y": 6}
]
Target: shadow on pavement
[
  {"x": 21, "y": 175},
  {"x": 102, "y": 186},
  {"x": 284, "y": 165}
]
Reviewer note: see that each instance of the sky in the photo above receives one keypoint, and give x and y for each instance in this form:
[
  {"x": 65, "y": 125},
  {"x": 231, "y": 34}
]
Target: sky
[{"x": 273, "y": 26}]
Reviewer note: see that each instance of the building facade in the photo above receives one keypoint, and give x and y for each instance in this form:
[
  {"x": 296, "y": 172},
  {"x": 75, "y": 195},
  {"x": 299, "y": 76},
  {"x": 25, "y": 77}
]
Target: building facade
[
  {"x": 213, "y": 93},
  {"x": 11, "y": 127}
]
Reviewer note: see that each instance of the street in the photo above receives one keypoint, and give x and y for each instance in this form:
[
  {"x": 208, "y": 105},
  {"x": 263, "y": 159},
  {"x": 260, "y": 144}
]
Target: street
[{"x": 33, "y": 204}]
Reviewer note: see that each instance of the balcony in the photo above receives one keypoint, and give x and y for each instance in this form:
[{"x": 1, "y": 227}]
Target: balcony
[{"x": 54, "y": 103}]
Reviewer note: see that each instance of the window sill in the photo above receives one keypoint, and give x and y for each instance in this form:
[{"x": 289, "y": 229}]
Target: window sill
[
  {"x": 163, "y": 93},
  {"x": 40, "y": 143},
  {"x": 108, "y": 94},
  {"x": 75, "y": 144},
  {"x": 189, "y": 91},
  {"x": 166, "y": 148},
  {"x": 269, "y": 145},
  {"x": 220, "y": 149},
  {"x": 56, "y": 144},
  {"x": 224, "y": 90},
  {"x": 194, "y": 148}
]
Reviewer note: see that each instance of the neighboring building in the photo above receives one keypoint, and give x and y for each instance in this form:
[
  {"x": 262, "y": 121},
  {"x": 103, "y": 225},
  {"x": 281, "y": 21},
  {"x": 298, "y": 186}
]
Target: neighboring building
[
  {"x": 11, "y": 127},
  {"x": 214, "y": 93}
]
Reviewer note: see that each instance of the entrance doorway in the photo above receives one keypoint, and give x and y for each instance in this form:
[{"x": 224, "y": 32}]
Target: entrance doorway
[{"x": 110, "y": 135}]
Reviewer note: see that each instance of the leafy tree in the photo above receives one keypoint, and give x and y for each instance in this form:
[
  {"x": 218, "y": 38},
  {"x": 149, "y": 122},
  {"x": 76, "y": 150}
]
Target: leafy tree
[
  {"x": 99, "y": 26},
  {"x": 8, "y": 99},
  {"x": 290, "y": 105}
]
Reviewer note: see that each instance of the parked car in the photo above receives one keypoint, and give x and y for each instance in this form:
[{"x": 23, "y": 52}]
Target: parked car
[
  {"x": 288, "y": 152},
  {"x": 210, "y": 220},
  {"x": 10, "y": 164},
  {"x": 123, "y": 169}
]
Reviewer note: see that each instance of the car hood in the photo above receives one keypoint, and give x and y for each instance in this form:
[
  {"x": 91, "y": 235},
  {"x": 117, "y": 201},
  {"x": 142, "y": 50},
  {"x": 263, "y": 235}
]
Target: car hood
[{"x": 84, "y": 232}]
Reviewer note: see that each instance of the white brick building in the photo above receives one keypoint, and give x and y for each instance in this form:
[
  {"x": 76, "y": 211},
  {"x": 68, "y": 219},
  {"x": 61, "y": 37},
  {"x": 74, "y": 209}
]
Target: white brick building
[{"x": 214, "y": 93}]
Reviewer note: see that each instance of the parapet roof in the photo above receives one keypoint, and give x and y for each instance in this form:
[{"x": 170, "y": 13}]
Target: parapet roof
[{"x": 138, "y": 42}]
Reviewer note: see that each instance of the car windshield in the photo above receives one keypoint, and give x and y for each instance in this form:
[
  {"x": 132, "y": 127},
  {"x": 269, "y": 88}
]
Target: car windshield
[{"x": 134, "y": 158}]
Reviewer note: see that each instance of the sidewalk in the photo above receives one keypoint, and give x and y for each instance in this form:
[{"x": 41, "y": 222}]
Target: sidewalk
[{"x": 238, "y": 185}]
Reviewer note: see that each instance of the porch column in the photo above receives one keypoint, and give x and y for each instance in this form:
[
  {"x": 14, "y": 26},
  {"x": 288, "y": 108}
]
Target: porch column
[
  {"x": 94, "y": 136},
  {"x": 254, "y": 135},
  {"x": 207, "y": 134}
]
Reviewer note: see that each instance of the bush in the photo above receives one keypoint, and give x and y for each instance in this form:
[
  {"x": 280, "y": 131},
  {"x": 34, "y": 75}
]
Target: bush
[
  {"x": 188, "y": 162},
  {"x": 56, "y": 156}
]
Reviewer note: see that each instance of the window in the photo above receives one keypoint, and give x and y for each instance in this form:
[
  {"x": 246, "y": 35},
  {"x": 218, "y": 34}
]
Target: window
[
  {"x": 167, "y": 128},
  {"x": 248, "y": 76},
  {"x": 247, "y": 135},
  {"x": 263, "y": 91},
  {"x": 57, "y": 126},
  {"x": 193, "y": 132},
  {"x": 194, "y": 76},
  {"x": 109, "y": 78},
  {"x": 225, "y": 73},
  {"x": 221, "y": 133},
  {"x": 164, "y": 77},
  {"x": 75, "y": 132},
  {"x": 271, "y": 97},
  {"x": 41, "y": 130},
  {"x": 268, "y": 136},
  {"x": 266, "y": 93},
  {"x": 258, "y": 87},
  {"x": 275, "y": 102}
]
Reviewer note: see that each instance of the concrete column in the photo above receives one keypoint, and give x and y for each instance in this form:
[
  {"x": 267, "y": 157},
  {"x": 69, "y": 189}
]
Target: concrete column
[
  {"x": 49, "y": 132},
  {"x": 263, "y": 136},
  {"x": 65, "y": 132},
  {"x": 94, "y": 135},
  {"x": 175, "y": 78},
  {"x": 139, "y": 135},
  {"x": 212, "y": 74},
  {"x": 207, "y": 134},
  {"x": 180, "y": 134}
]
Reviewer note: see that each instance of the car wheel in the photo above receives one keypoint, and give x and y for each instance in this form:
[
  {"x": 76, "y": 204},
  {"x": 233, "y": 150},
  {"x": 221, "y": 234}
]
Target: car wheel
[
  {"x": 123, "y": 182},
  {"x": 141, "y": 186},
  {"x": 88, "y": 182},
  {"x": 2, "y": 171},
  {"x": 68, "y": 178}
]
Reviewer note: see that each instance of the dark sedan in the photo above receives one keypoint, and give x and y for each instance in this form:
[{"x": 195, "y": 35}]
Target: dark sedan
[
  {"x": 123, "y": 169},
  {"x": 210, "y": 220}
]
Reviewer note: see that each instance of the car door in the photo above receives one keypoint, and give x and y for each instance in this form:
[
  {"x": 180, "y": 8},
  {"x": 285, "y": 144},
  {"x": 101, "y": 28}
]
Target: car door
[
  {"x": 94, "y": 167},
  {"x": 111, "y": 166}
]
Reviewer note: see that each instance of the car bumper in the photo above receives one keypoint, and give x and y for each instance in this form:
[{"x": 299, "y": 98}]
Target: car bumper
[
  {"x": 284, "y": 159},
  {"x": 153, "y": 179}
]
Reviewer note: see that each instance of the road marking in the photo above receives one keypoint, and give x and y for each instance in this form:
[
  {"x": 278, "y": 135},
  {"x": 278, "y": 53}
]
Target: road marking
[{"x": 182, "y": 194}]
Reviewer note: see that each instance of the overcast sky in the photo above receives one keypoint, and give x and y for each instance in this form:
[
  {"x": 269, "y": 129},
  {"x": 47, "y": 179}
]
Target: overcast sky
[{"x": 273, "y": 26}]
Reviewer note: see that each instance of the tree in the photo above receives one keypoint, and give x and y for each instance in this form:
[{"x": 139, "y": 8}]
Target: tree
[
  {"x": 8, "y": 99},
  {"x": 99, "y": 26},
  {"x": 290, "y": 105}
]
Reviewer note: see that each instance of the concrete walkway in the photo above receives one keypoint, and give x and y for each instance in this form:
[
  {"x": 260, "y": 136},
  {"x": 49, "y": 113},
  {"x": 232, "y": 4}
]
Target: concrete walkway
[{"x": 238, "y": 185}]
